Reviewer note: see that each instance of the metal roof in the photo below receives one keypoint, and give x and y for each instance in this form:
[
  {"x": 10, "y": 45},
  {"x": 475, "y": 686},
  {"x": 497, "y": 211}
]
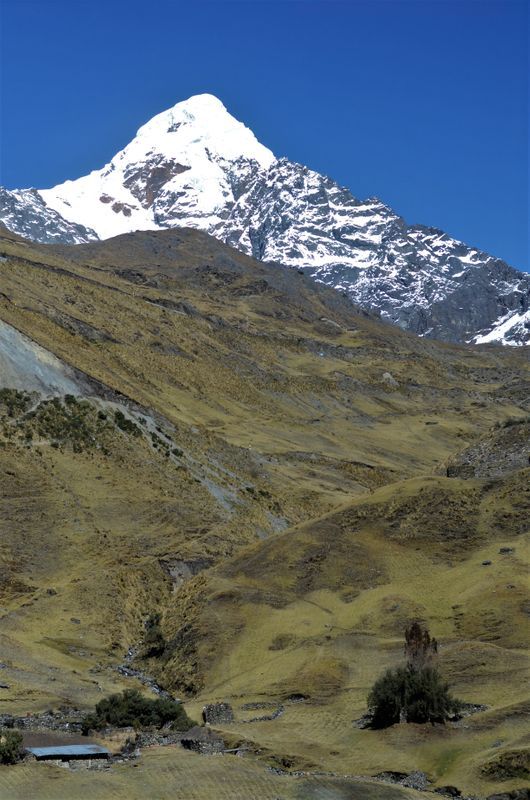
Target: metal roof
[{"x": 72, "y": 750}]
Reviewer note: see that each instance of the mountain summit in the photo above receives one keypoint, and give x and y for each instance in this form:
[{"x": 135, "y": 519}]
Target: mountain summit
[
  {"x": 196, "y": 166},
  {"x": 179, "y": 169}
]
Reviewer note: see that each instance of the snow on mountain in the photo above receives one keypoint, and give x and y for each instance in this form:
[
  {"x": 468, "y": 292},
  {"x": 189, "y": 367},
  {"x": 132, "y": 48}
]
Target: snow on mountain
[
  {"x": 293, "y": 215},
  {"x": 26, "y": 213},
  {"x": 195, "y": 165},
  {"x": 414, "y": 276},
  {"x": 176, "y": 171},
  {"x": 512, "y": 329}
]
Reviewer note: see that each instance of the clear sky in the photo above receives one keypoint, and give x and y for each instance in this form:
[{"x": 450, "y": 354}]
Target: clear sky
[{"x": 423, "y": 103}]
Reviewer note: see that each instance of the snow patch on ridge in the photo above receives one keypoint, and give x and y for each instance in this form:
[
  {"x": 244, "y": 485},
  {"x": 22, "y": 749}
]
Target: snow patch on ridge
[{"x": 512, "y": 329}]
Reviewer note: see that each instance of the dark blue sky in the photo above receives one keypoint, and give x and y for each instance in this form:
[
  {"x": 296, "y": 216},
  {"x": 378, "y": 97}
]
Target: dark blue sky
[{"x": 422, "y": 103}]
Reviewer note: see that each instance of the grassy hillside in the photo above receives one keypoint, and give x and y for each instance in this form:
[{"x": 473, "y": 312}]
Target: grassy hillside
[
  {"x": 246, "y": 453},
  {"x": 319, "y": 611},
  {"x": 186, "y": 775}
]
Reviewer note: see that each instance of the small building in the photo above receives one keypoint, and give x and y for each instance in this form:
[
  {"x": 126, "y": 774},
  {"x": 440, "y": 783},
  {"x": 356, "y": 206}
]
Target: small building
[
  {"x": 202, "y": 740},
  {"x": 69, "y": 752}
]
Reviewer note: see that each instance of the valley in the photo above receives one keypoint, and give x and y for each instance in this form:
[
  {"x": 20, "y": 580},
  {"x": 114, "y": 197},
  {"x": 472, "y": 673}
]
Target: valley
[{"x": 289, "y": 481}]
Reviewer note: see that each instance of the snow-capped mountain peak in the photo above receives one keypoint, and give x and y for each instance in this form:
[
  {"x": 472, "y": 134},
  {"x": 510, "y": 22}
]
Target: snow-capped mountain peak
[
  {"x": 202, "y": 121},
  {"x": 182, "y": 165},
  {"x": 196, "y": 165}
]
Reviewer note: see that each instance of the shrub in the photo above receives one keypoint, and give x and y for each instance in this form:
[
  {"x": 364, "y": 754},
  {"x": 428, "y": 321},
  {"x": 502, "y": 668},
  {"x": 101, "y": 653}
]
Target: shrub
[
  {"x": 414, "y": 692},
  {"x": 73, "y": 422},
  {"x": 15, "y": 402},
  {"x": 10, "y": 746},
  {"x": 386, "y": 698},
  {"x": 125, "y": 424},
  {"x": 417, "y": 695},
  {"x": 133, "y": 709},
  {"x": 154, "y": 642}
]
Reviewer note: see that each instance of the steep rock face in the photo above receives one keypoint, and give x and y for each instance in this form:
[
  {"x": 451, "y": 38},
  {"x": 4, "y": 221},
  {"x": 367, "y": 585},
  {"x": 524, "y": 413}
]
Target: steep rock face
[
  {"x": 417, "y": 277},
  {"x": 195, "y": 165},
  {"x": 293, "y": 215},
  {"x": 25, "y": 212},
  {"x": 26, "y": 366}
]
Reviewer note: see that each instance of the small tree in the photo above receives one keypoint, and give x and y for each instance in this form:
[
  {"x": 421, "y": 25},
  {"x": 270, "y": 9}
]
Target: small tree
[
  {"x": 427, "y": 698},
  {"x": 10, "y": 746},
  {"x": 414, "y": 692},
  {"x": 420, "y": 649},
  {"x": 386, "y": 698}
]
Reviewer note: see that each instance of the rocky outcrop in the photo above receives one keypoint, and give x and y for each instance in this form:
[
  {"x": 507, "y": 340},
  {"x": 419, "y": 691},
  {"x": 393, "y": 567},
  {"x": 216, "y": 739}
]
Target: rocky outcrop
[{"x": 504, "y": 450}]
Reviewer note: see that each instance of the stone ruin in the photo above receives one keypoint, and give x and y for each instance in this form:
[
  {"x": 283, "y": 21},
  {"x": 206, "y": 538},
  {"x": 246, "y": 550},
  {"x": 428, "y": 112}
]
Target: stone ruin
[
  {"x": 202, "y": 740},
  {"x": 217, "y": 713}
]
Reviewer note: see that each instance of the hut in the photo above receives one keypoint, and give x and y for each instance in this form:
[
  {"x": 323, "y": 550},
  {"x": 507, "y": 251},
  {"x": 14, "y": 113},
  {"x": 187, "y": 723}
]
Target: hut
[
  {"x": 202, "y": 740},
  {"x": 69, "y": 752}
]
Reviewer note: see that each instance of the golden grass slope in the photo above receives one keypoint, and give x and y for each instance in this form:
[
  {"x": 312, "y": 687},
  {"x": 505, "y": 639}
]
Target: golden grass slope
[
  {"x": 258, "y": 355},
  {"x": 318, "y": 612},
  {"x": 174, "y": 772},
  {"x": 311, "y": 482}
]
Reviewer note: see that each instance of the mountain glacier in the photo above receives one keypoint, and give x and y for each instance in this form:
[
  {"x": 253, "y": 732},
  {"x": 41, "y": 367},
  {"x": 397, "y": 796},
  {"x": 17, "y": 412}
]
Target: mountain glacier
[{"x": 195, "y": 165}]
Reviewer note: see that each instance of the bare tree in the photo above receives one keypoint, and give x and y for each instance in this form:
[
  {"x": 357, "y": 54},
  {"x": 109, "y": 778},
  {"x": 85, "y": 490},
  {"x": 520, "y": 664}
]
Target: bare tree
[{"x": 420, "y": 649}]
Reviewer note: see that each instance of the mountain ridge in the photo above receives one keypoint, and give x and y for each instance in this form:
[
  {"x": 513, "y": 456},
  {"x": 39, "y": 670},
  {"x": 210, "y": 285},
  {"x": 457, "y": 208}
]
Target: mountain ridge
[{"x": 195, "y": 165}]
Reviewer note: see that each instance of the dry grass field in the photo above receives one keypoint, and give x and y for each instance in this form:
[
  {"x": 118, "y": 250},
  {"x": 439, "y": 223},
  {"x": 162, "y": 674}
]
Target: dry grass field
[
  {"x": 172, "y": 772},
  {"x": 282, "y": 504}
]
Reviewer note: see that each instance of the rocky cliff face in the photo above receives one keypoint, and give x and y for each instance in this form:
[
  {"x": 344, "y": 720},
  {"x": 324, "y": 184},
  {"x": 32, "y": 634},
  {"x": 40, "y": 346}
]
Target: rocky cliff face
[
  {"x": 25, "y": 212},
  {"x": 195, "y": 165},
  {"x": 417, "y": 277}
]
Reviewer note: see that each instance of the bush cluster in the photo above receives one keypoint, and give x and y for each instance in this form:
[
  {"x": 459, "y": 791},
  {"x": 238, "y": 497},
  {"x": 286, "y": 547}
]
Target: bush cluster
[
  {"x": 70, "y": 421},
  {"x": 73, "y": 422},
  {"x": 419, "y": 695},
  {"x": 64, "y": 421},
  {"x": 15, "y": 402},
  {"x": 10, "y": 746},
  {"x": 133, "y": 709},
  {"x": 125, "y": 424},
  {"x": 414, "y": 692}
]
